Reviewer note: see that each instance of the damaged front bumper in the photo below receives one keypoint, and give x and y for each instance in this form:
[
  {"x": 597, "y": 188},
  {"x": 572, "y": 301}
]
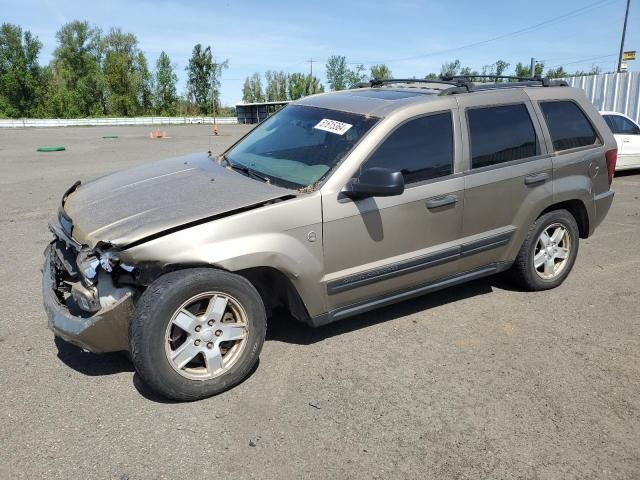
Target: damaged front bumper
[{"x": 103, "y": 331}]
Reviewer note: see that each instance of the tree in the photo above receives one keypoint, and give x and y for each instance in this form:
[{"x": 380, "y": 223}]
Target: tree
[
  {"x": 125, "y": 74},
  {"x": 276, "y": 86},
  {"x": 594, "y": 71},
  {"x": 21, "y": 77},
  {"x": 76, "y": 72},
  {"x": 557, "y": 73},
  {"x": 252, "y": 89},
  {"x": 203, "y": 79},
  {"x": 165, "y": 96},
  {"x": 450, "y": 69},
  {"x": 431, "y": 76},
  {"x": 524, "y": 71},
  {"x": 144, "y": 81},
  {"x": 381, "y": 72},
  {"x": 301, "y": 85},
  {"x": 501, "y": 67},
  {"x": 356, "y": 75},
  {"x": 337, "y": 72}
]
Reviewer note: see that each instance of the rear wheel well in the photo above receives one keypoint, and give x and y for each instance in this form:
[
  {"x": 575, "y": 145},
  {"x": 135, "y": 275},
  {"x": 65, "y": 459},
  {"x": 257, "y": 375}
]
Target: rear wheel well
[
  {"x": 276, "y": 291},
  {"x": 575, "y": 208}
]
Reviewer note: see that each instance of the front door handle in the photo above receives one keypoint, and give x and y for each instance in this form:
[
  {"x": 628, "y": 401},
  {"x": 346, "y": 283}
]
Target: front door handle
[
  {"x": 536, "y": 178},
  {"x": 441, "y": 201}
]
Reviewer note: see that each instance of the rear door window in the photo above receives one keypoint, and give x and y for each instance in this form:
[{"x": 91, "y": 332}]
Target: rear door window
[
  {"x": 501, "y": 134},
  {"x": 568, "y": 125}
]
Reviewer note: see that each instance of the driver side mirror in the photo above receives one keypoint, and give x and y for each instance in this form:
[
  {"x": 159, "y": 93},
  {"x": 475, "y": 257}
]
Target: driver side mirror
[{"x": 375, "y": 182}]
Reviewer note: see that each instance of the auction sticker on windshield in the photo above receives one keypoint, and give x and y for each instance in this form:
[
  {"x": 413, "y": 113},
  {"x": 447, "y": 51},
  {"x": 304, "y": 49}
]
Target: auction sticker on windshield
[{"x": 333, "y": 126}]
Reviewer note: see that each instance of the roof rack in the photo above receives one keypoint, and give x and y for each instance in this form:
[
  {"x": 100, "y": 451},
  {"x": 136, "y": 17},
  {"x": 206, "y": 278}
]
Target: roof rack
[
  {"x": 463, "y": 83},
  {"x": 514, "y": 81},
  {"x": 454, "y": 85}
]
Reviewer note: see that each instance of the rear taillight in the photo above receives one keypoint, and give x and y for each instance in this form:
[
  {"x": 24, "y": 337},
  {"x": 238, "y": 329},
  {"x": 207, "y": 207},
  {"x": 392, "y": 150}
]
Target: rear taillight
[{"x": 612, "y": 157}]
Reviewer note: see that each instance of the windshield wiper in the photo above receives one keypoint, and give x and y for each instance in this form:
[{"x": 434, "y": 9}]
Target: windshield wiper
[{"x": 249, "y": 172}]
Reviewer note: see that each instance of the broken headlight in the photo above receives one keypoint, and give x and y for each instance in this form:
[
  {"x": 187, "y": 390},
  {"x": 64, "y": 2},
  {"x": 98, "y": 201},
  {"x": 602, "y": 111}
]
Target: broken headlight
[{"x": 87, "y": 262}]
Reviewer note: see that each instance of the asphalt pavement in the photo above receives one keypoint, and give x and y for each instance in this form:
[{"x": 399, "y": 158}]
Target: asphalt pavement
[{"x": 480, "y": 381}]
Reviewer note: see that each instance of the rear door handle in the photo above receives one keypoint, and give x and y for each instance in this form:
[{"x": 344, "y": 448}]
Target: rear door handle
[
  {"x": 626, "y": 140},
  {"x": 536, "y": 178},
  {"x": 441, "y": 201}
]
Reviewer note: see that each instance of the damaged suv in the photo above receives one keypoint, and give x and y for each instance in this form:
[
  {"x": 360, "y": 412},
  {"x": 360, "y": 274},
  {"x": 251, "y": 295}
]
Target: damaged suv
[{"x": 338, "y": 204}]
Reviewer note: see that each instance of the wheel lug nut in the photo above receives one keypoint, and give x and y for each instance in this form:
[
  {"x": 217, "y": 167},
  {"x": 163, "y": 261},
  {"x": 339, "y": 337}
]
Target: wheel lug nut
[
  {"x": 210, "y": 322},
  {"x": 209, "y": 345},
  {"x": 198, "y": 328},
  {"x": 197, "y": 342},
  {"x": 218, "y": 333}
]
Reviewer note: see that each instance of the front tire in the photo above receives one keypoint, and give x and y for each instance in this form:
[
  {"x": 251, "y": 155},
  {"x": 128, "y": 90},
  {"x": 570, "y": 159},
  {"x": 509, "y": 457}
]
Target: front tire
[
  {"x": 548, "y": 253},
  {"x": 196, "y": 333}
]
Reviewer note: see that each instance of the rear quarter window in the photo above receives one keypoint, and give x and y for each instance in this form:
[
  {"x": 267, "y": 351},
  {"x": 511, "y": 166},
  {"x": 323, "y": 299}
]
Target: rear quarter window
[{"x": 568, "y": 125}]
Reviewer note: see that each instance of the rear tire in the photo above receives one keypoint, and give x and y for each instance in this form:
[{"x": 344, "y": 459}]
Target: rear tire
[
  {"x": 548, "y": 253},
  {"x": 196, "y": 333}
]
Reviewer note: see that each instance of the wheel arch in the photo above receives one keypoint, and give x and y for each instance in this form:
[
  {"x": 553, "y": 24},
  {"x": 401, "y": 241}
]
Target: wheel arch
[
  {"x": 578, "y": 209},
  {"x": 274, "y": 286}
]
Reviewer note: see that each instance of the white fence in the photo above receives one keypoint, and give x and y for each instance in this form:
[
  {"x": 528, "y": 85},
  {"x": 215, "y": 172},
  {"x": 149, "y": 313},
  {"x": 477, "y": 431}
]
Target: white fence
[
  {"x": 618, "y": 92},
  {"x": 93, "y": 122}
]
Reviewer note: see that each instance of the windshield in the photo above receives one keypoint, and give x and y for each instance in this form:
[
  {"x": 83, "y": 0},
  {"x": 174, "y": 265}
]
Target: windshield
[{"x": 297, "y": 146}]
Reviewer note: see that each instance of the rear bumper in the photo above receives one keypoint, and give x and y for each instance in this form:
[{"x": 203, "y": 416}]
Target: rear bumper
[
  {"x": 104, "y": 331},
  {"x": 602, "y": 205}
]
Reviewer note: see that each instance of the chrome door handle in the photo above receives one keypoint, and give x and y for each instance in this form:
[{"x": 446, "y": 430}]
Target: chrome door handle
[
  {"x": 441, "y": 201},
  {"x": 626, "y": 140},
  {"x": 536, "y": 178}
]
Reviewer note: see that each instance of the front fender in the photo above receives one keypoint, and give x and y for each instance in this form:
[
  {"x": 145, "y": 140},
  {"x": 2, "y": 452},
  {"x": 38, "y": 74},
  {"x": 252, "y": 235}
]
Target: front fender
[{"x": 278, "y": 236}]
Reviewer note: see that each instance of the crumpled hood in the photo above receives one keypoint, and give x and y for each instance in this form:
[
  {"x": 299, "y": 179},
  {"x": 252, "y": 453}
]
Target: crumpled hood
[{"x": 132, "y": 204}]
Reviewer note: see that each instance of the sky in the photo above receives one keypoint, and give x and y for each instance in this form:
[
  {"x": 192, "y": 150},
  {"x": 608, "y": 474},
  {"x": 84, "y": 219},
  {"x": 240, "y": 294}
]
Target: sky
[{"x": 413, "y": 37}]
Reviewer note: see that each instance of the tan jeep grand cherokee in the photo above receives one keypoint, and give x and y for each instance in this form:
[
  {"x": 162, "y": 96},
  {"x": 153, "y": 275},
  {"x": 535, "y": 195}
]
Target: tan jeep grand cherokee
[{"x": 338, "y": 204}]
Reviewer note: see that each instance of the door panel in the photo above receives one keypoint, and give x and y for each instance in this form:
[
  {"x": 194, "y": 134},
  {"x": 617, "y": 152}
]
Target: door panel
[
  {"x": 629, "y": 151},
  {"x": 380, "y": 245},
  {"x": 505, "y": 193}
]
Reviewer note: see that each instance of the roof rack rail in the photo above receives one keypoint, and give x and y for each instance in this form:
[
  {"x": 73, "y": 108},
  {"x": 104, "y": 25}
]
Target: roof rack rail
[
  {"x": 517, "y": 81},
  {"x": 455, "y": 85},
  {"x": 463, "y": 83}
]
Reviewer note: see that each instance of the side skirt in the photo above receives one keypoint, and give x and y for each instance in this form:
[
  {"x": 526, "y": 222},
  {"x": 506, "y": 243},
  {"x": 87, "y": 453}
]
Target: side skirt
[{"x": 389, "y": 299}]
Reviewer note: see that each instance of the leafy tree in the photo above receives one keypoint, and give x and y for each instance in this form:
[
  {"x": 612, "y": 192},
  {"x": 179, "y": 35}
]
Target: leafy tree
[
  {"x": 501, "y": 67},
  {"x": 524, "y": 71},
  {"x": 594, "y": 71},
  {"x": 431, "y": 76},
  {"x": 276, "y": 86},
  {"x": 76, "y": 72},
  {"x": 337, "y": 72},
  {"x": 165, "y": 96},
  {"x": 356, "y": 75},
  {"x": 125, "y": 74},
  {"x": 301, "y": 85},
  {"x": 450, "y": 69},
  {"x": 145, "y": 84},
  {"x": 468, "y": 71},
  {"x": 557, "y": 73},
  {"x": 21, "y": 77},
  {"x": 203, "y": 81},
  {"x": 252, "y": 89},
  {"x": 381, "y": 72}
]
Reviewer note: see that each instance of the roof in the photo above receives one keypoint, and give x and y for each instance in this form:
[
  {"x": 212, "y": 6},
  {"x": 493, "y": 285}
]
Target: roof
[{"x": 378, "y": 102}]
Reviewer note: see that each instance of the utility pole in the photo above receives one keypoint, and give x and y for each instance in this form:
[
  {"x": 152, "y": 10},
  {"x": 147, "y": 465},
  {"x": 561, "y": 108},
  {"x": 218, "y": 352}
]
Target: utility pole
[
  {"x": 624, "y": 32},
  {"x": 311, "y": 60},
  {"x": 532, "y": 69}
]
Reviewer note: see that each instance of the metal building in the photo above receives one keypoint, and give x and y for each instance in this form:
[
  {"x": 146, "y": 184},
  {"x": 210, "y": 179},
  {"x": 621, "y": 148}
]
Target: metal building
[
  {"x": 257, "y": 112},
  {"x": 617, "y": 92}
]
